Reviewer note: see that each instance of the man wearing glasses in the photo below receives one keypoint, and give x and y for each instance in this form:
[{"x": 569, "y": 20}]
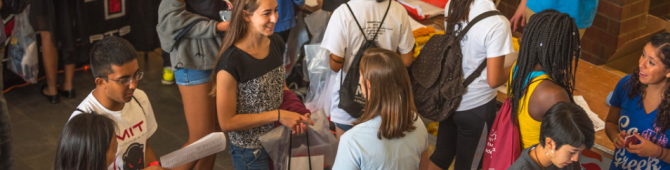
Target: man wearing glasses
[{"x": 114, "y": 66}]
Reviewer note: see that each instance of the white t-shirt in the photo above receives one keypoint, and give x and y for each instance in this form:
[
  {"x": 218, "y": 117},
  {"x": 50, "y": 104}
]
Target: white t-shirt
[
  {"x": 135, "y": 124},
  {"x": 360, "y": 148},
  {"x": 343, "y": 37},
  {"x": 489, "y": 38}
]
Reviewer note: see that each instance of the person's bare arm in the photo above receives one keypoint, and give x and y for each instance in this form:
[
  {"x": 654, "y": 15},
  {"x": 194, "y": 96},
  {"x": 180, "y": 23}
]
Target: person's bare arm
[
  {"x": 519, "y": 16},
  {"x": 149, "y": 155},
  {"x": 666, "y": 155},
  {"x": 612, "y": 127},
  {"x": 336, "y": 62},
  {"x": 423, "y": 164},
  {"x": 408, "y": 58},
  {"x": 222, "y": 26},
  {"x": 496, "y": 74}
]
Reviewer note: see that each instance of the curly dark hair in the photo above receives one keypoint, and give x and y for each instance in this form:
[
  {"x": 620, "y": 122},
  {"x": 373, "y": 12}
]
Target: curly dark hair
[
  {"x": 551, "y": 39},
  {"x": 662, "y": 43}
]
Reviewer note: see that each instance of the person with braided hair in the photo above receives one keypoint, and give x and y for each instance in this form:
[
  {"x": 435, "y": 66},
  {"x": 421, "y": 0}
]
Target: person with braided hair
[
  {"x": 544, "y": 73},
  {"x": 641, "y": 111}
]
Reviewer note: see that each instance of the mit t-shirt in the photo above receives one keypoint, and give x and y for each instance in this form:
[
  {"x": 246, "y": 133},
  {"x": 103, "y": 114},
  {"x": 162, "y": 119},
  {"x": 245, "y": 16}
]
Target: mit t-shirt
[
  {"x": 489, "y": 38},
  {"x": 135, "y": 124},
  {"x": 343, "y": 38},
  {"x": 633, "y": 119},
  {"x": 260, "y": 87}
]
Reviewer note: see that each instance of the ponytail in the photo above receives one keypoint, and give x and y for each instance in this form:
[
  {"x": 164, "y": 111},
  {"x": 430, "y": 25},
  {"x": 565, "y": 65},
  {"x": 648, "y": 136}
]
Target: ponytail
[{"x": 459, "y": 10}]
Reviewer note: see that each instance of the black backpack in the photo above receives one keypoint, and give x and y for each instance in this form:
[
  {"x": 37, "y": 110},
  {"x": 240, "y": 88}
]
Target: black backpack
[
  {"x": 351, "y": 98},
  {"x": 437, "y": 73}
]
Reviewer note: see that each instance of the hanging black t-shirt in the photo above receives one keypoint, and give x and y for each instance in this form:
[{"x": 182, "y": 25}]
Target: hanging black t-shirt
[
  {"x": 260, "y": 87},
  {"x": 331, "y": 5},
  {"x": 207, "y": 8}
]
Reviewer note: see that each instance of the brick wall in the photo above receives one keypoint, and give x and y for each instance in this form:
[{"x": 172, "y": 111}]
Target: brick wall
[
  {"x": 616, "y": 22},
  {"x": 660, "y": 8},
  {"x": 508, "y": 7}
]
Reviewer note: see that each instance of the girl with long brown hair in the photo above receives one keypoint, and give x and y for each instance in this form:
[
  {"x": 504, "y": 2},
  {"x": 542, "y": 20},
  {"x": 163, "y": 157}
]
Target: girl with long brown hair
[
  {"x": 390, "y": 134},
  {"x": 249, "y": 79}
]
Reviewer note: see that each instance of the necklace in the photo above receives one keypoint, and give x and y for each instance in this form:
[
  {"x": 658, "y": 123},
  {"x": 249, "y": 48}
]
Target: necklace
[{"x": 537, "y": 158}]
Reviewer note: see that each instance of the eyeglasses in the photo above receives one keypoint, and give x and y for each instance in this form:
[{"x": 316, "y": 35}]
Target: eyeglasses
[{"x": 126, "y": 81}]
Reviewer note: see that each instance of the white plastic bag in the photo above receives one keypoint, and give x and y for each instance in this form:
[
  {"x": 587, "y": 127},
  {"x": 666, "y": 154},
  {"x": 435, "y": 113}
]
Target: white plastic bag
[
  {"x": 22, "y": 48},
  {"x": 321, "y": 78},
  {"x": 322, "y": 144}
]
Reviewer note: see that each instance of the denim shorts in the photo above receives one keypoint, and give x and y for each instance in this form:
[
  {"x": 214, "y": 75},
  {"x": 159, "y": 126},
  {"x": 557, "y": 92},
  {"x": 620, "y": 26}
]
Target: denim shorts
[
  {"x": 249, "y": 159},
  {"x": 190, "y": 77},
  {"x": 343, "y": 126}
]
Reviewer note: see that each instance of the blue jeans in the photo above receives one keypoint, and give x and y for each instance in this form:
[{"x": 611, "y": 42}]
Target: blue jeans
[
  {"x": 191, "y": 77},
  {"x": 249, "y": 159}
]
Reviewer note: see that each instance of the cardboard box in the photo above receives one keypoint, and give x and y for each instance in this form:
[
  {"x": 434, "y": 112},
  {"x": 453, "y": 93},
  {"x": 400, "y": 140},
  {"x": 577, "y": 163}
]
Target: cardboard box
[{"x": 626, "y": 58}]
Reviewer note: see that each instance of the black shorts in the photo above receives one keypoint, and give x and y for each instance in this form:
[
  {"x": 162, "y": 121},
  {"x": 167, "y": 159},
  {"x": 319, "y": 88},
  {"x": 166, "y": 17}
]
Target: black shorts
[{"x": 56, "y": 17}]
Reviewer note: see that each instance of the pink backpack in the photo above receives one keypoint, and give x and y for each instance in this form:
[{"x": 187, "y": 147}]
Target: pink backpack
[{"x": 502, "y": 146}]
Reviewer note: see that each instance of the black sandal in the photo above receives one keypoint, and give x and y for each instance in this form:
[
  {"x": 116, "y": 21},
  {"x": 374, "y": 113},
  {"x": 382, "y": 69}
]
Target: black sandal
[
  {"x": 70, "y": 94},
  {"x": 52, "y": 98}
]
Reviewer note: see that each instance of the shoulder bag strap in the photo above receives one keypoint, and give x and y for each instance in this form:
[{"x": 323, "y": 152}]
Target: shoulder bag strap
[
  {"x": 359, "y": 25},
  {"x": 138, "y": 103},
  {"x": 475, "y": 21},
  {"x": 363, "y": 32},
  {"x": 383, "y": 19},
  {"x": 183, "y": 31},
  {"x": 481, "y": 66}
]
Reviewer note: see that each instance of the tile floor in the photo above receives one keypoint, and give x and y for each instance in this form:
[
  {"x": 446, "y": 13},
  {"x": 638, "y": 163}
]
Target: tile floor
[{"x": 36, "y": 124}]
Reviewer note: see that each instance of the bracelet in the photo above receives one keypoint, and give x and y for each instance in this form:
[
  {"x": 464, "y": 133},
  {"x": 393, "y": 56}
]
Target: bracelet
[
  {"x": 338, "y": 62},
  {"x": 658, "y": 152},
  {"x": 154, "y": 164},
  {"x": 278, "y": 115},
  {"x": 663, "y": 153}
]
